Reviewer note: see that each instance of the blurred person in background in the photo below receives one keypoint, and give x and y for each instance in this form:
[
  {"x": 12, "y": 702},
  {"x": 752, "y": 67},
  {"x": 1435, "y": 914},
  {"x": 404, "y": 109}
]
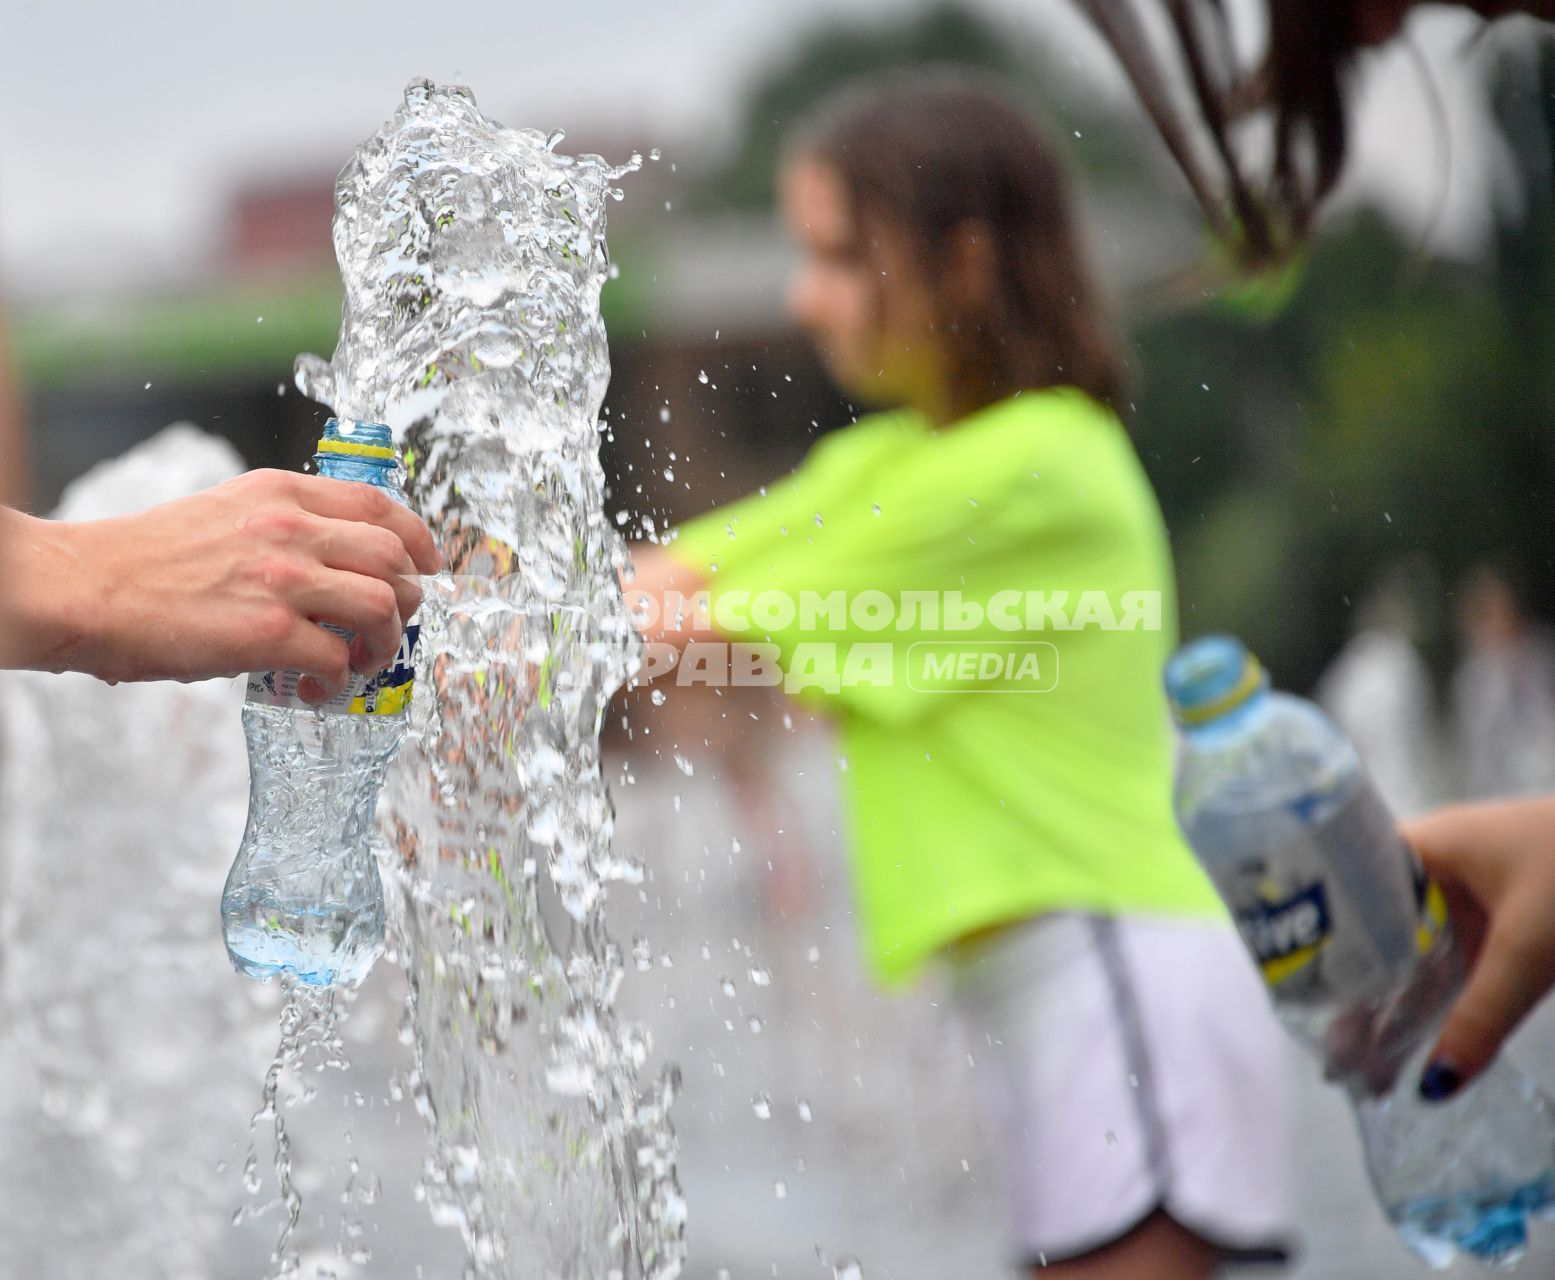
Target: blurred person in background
[
  {"x": 1495, "y": 861},
  {"x": 1503, "y": 692},
  {"x": 234, "y": 579},
  {"x": 1130, "y": 1073},
  {"x": 1379, "y": 692}
]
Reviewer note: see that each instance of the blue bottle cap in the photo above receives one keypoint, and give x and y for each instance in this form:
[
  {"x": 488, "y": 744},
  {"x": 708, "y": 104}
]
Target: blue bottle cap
[{"x": 1210, "y": 676}]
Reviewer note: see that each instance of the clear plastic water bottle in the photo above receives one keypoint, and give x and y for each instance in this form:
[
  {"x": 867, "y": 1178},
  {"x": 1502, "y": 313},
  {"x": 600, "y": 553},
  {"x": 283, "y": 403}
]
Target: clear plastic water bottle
[
  {"x": 1357, "y": 953},
  {"x": 304, "y": 896}
]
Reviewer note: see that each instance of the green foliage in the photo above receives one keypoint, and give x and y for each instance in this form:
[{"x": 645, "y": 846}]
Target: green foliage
[{"x": 1394, "y": 407}]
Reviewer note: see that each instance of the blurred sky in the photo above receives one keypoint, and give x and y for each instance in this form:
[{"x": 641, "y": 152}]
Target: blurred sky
[{"x": 127, "y": 125}]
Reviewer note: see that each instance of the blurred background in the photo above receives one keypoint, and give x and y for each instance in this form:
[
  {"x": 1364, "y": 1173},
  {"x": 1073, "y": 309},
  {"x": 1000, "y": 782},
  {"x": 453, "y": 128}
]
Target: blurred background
[{"x": 1355, "y": 463}]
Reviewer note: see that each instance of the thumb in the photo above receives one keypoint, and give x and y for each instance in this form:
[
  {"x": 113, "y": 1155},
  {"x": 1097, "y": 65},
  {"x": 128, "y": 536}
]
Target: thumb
[{"x": 1507, "y": 980}]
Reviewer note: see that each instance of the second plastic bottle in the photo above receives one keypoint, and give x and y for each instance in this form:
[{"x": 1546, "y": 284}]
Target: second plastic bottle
[{"x": 1356, "y": 951}]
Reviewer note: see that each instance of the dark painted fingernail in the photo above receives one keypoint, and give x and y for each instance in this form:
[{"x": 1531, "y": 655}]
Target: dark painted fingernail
[{"x": 1439, "y": 1081}]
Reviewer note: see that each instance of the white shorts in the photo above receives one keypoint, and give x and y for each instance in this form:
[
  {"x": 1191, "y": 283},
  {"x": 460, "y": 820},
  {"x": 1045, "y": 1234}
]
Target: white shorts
[{"x": 1126, "y": 1066}]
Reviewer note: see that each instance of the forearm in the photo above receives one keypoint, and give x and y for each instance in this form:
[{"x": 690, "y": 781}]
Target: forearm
[
  {"x": 268, "y": 571},
  {"x": 45, "y": 594}
]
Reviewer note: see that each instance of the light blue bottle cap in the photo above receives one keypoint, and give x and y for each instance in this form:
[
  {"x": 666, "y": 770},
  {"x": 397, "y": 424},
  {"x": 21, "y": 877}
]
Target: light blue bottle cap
[{"x": 1210, "y": 676}]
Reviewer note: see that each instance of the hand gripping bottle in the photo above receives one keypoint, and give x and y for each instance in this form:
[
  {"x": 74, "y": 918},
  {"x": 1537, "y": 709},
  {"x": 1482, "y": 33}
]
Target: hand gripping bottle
[
  {"x": 304, "y": 896},
  {"x": 1356, "y": 951}
]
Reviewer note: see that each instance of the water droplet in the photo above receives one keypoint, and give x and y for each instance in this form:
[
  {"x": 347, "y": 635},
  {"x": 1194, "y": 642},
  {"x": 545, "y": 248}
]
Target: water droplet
[
  {"x": 702, "y": 376},
  {"x": 669, "y": 473},
  {"x": 653, "y": 153},
  {"x": 755, "y": 1025},
  {"x": 803, "y": 1108},
  {"x": 817, "y": 519},
  {"x": 1112, "y": 1138},
  {"x": 642, "y": 954},
  {"x": 761, "y": 1104},
  {"x": 683, "y": 764},
  {"x": 780, "y": 1188},
  {"x": 760, "y": 977},
  {"x": 726, "y": 985},
  {"x": 148, "y": 386},
  {"x": 658, "y": 698},
  {"x": 876, "y": 508},
  {"x": 664, "y": 413}
]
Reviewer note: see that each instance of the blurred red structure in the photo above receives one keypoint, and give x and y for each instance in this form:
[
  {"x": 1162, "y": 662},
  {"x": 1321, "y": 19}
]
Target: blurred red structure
[{"x": 280, "y": 228}]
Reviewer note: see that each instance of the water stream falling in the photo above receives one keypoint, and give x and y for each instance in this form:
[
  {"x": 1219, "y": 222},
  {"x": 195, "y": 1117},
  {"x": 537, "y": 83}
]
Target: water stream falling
[{"x": 472, "y": 257}]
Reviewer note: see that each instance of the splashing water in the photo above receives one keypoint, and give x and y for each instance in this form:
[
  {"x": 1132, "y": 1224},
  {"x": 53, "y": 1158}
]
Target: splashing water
[
  {"x": 472, "y": 257},
  {"x": 309, "y": 1030}
]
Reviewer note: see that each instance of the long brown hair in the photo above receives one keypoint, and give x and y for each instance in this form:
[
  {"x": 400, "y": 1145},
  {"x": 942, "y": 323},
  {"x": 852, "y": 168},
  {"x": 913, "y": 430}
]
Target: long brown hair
[{"x": 931, "y": 154}]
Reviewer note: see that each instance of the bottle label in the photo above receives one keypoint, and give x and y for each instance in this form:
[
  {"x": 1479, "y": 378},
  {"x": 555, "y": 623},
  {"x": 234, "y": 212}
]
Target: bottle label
[
  {"x": 386, "y": 694},
  {"x": 1330, "y": 901},
  {"x": 1285, "y": 934}
]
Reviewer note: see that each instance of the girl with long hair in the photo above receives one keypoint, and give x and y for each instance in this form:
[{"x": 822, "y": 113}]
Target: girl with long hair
[{"x": 975, "y": 584}]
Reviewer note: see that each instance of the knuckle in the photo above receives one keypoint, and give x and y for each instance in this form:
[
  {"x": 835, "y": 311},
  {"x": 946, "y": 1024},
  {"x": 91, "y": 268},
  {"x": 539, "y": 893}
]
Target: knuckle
[
  {"x": 373, "y": 504},
  {"x": 279, "y": 575},
  {"x": 388, "y": 553},
  {"x": 382, "y": 606},
  {"x": 279, "y": 525},
  {"x": 272, "y": 626},
  {"x": 267, "y": 484}
]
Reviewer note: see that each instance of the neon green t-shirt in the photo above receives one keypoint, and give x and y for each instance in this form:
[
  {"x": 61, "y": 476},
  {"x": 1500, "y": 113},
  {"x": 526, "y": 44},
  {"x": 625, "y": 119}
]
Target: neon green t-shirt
[{"x": 977, "y": 790}]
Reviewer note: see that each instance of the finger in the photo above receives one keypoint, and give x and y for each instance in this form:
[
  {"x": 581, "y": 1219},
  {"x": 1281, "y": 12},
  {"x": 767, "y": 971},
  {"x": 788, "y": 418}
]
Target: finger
[
  {"x": 348, "y": 500},
  {"x": 1512, "y": 973},
  {"x": 367, "y": 607},
  {"x": 374, "y": 552},
  {"x": 1468, "y": 841},
  {"x": 1348, "y": 1035},
  {"x": 322, "y": 660}
]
